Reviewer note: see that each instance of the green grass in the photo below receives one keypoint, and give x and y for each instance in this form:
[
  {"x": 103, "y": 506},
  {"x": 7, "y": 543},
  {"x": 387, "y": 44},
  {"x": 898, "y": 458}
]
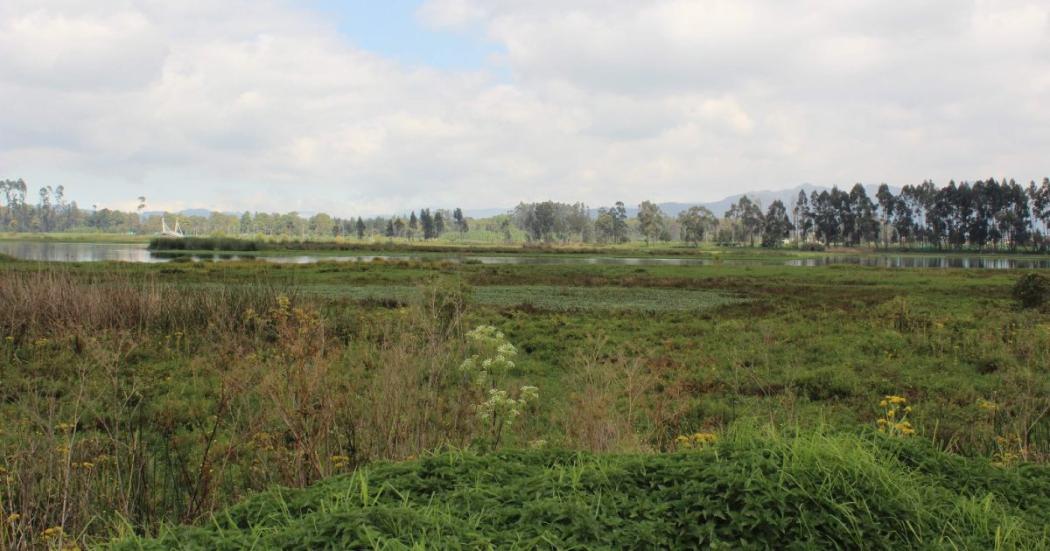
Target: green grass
[
  {"x": 551, "y": 298},
  {"x": 751, "y": 490},
  {"x": 75, "y": 237}
]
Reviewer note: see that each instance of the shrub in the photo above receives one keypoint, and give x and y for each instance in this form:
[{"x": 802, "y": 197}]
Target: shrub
[
  {"x": 441, "y": 306},
  {"x": 1032, "y": 290}
]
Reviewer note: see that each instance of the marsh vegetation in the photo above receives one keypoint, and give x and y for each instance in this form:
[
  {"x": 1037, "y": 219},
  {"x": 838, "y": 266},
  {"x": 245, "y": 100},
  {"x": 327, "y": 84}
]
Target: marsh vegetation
[{"x": 140, "y": 397}]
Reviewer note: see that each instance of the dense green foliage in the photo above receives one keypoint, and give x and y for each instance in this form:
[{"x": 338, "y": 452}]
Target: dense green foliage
[{"x": 747, "y": 491}]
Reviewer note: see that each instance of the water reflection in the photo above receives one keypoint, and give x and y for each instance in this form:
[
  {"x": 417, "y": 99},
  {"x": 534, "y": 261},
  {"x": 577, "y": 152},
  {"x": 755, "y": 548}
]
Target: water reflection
[
  {"x": 96, "y": 252},
  {"x": 76, "y": 252},
  {"x": 927, "y": 261}
]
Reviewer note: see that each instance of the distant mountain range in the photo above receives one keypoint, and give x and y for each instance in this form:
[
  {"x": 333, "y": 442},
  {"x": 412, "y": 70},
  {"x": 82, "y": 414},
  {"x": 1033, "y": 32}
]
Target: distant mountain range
[
  {"x": 718, "y": 208},
  {"x": 184, "y": 212}
]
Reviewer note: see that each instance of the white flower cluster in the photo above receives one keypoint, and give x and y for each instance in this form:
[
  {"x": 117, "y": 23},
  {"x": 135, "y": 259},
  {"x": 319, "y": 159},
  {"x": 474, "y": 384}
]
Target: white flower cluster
[
  {"x": 495, "y": 359},
  {"x": 500, "y": 406}
]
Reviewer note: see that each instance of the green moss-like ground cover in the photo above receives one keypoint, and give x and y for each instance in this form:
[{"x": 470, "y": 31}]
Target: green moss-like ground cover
[{"x": 553, "y": 298}]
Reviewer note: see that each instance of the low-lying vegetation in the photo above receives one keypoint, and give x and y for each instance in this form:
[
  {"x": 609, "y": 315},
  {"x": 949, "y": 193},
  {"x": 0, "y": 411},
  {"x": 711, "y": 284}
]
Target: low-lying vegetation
[
  {"x": 746, "y": 490},
  {"x": 551, "y": 298},
  {"x": 135, "y": 398},
  {"x": 233, "y": 244}
]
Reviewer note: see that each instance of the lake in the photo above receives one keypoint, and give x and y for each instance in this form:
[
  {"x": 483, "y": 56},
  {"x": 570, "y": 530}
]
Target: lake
[{"x": 99, "y": 252}]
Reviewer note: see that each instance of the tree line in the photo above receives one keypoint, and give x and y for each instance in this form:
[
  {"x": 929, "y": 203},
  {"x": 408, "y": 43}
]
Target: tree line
[
  {"x": 52, "y": 212},
  {"x": 996, "y": 214}
]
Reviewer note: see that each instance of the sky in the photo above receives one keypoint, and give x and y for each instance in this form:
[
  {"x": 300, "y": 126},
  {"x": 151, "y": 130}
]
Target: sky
[{"x": 364, "y": 107}]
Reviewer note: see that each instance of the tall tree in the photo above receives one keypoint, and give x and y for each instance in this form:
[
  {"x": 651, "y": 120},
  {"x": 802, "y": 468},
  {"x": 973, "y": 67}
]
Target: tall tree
[
  {"x": 439, "y": 224},
  {"x": 803, "y": 217},
  {"x": 611, "y": 224},
  {"x": 650, "y": 221},
  {"x": 413, "y": 225},
  {"x": 748, "y": 216},
  {"x": 886, "y": 202},
  {"x": 694, "y": 224},
  {"x": 460, "y": 221},
  {"x": 777, "y": 226},
  {"x": 864, "y": 224},
  {"x": 426, "y": 220}
]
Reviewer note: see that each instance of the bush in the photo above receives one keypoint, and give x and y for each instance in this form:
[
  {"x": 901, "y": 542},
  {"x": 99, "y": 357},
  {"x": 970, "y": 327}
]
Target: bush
[
  {"x": 442, "y": 303},
  {"x": 1032, "y": 290},
  {"x": 203, "y": 244}
]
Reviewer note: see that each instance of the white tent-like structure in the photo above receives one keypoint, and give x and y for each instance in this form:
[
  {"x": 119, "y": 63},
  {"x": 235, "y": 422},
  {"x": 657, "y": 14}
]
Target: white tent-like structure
[{"x": 170, "y": 232}]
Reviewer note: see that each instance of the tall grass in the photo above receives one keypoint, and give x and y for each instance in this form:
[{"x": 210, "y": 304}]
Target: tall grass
[
  {"x": 57, "y": 303},
  {"x": 129, "y": 400}
]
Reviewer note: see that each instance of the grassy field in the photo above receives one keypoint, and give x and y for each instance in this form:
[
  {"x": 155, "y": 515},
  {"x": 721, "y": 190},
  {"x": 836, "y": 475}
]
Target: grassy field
[
  {"x": 73, "y": 237},
  {"x": 135, "y": 397}
]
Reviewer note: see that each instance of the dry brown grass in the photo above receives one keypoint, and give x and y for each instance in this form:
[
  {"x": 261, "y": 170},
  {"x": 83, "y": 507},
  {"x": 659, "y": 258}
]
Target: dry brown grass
[{"x": 138, "y": 402}]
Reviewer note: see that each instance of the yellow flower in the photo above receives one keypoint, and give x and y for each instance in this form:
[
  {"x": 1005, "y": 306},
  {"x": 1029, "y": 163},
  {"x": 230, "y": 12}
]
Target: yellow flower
[
  {"x": 13, "y": 518},
  {"x": 696, "y": 440},
  {"x": 987, "y": 405}
]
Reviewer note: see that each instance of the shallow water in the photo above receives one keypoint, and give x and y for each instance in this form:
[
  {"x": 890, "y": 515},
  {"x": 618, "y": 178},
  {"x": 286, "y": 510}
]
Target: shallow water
[{"x": 98, "y": 252}]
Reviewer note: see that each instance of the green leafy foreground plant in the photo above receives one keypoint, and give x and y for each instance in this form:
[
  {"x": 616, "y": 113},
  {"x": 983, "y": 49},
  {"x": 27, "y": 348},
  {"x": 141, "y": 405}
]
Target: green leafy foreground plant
[{"x": 750, "y": 489}]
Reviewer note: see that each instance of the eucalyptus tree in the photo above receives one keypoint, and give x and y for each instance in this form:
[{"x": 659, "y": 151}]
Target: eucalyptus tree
[
  {"x": 886, "y": 202},
  {"x": 426, "y": 221},
  {"x": 695, "y": 223},
  {"x": 460, "y": 221},
  {"x": 748, "y": 216},
  {"x": 439, "y": 224},
  {"x": 803, "y": 218},
  {"x": 776, "y": 226},
  {"x": 650, "y": 221}
]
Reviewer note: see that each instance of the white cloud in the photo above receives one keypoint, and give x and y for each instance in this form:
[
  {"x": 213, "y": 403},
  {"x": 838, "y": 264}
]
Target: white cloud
[{"x": 262, "y": 104}]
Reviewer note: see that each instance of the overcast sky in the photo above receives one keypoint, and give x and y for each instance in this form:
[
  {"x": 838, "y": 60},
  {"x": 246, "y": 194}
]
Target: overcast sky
[{"x": 371, "y": 107}]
